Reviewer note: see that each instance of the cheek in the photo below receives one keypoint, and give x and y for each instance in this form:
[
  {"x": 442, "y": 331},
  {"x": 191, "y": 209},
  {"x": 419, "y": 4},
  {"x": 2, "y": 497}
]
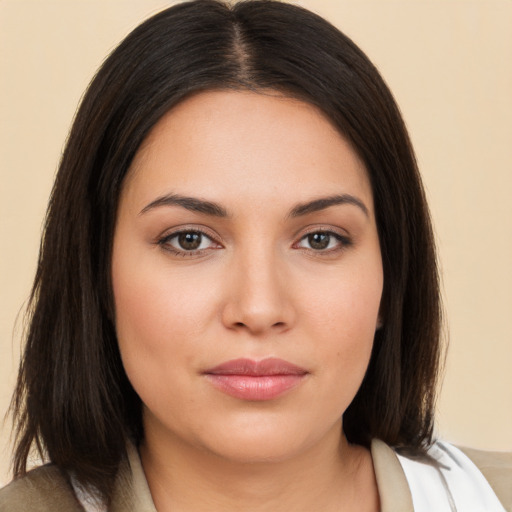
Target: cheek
[
  {"x": 162, "y": 313},
  {"x": 144, "y": 317},
  {"x": 342, "y": 318},
  {"x": 156, "y": 304},
  {"x": 149, "y": 321},
  {"x": 346, "y": 306}
]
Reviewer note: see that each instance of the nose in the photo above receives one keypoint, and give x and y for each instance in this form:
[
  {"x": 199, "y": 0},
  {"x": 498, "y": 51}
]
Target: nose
[{"x": 257, "y": 297}]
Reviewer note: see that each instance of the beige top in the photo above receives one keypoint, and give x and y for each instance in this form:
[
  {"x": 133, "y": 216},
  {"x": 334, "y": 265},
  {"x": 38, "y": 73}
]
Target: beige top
[
  {"x": 46, "y": 490},
  {"x": 393, "y": 488}
]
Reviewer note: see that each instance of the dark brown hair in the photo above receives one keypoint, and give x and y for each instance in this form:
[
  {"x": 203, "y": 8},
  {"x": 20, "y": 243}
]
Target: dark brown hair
[{"x": 73, "y": 399}]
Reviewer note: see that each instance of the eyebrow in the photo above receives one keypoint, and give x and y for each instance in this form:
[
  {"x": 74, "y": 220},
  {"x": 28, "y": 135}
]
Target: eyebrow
[
  {"x": 189, "y": 203},
  {"x": 322, "y": 203},
  {"x": 215, "y": 210}
]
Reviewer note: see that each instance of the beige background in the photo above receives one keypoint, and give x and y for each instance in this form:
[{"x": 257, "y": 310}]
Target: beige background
[{"x": 449, "y": 64}]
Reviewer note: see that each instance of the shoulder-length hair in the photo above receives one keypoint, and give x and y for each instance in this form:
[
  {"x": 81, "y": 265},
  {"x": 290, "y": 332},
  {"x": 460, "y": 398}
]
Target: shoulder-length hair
[{"x": 73, "y": 399}]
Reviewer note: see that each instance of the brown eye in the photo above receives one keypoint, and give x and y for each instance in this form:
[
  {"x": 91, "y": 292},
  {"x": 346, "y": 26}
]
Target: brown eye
[
  {"x": 319, "y": 241},
  {"x": 323, "y": 241},
  {"x": 190, "y": 241},
  {"x": 187, "y": 242}
]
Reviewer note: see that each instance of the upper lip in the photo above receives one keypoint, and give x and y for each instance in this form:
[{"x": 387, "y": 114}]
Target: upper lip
[{"x": 269, "y": 366}]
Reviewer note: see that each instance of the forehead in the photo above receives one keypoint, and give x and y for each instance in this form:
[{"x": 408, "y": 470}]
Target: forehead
[{"x": 254, "y": 145}]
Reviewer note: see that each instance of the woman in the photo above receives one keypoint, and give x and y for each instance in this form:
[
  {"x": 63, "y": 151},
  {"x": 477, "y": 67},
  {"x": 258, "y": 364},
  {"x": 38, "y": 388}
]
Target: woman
[{"x": 236, "y": 304}]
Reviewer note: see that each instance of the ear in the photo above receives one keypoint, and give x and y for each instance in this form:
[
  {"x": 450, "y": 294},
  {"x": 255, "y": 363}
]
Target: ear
[{"x": 380, "y": 322}]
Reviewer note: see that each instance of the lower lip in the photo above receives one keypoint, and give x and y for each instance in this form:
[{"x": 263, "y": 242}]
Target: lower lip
[{"x": 255, "y": 387}]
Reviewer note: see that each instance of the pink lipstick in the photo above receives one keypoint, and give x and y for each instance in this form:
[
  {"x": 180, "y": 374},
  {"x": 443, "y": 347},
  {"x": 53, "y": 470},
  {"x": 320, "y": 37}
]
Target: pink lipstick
[{"x": 255, "y": 380}]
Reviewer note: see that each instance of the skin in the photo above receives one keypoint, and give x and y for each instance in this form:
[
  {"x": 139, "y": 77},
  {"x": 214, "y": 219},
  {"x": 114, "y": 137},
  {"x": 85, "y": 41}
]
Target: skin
[{"x": 255, "y": 288}]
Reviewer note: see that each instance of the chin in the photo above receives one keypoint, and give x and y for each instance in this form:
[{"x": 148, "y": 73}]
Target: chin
[
  {"x": 267, "y": 441},
  {"x": 257, "y": 450}
]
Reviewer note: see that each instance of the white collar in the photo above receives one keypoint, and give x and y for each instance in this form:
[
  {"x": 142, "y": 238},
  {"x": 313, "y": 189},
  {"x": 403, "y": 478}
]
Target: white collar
[{"x": 448, "y": 481}]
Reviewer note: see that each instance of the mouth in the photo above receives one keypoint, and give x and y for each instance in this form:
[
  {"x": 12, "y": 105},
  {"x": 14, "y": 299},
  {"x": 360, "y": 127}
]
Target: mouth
[{"x": 250, "y": 380}]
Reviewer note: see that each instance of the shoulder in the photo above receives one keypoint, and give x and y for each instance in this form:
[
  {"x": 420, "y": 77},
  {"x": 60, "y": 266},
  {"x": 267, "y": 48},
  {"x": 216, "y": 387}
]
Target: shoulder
[
  {"x": 44, "y": 489},
  {"x": 497, "y": 469}
]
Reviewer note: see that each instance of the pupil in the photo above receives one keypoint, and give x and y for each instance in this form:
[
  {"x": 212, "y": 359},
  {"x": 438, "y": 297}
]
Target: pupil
[
  {"x": 189, "y": 241},
  {"x": 319, "y": 240}
]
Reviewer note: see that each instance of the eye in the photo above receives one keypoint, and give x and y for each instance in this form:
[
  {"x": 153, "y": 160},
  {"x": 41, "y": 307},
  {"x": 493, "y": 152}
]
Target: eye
[
  {"x": 323, "y": 241},
  {"x": 187, "y": 242}
]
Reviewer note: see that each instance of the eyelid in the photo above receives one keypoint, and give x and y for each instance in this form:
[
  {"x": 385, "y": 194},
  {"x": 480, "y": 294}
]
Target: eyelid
[
  {"x": 197, "y": 228},
  {"x": 322, "y": 228}
]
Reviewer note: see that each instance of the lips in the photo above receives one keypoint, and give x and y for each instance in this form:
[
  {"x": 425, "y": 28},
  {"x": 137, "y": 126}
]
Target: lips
[{"x": 256, "y": 380}]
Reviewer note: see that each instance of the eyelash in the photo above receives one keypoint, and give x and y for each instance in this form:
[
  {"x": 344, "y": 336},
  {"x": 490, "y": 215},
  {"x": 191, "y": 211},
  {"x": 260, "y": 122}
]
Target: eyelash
[{"x": 343, "y": 242}]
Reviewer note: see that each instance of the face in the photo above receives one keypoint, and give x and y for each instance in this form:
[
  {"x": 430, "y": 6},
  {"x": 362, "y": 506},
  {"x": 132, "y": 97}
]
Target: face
[{"x": 247, "y": 276}]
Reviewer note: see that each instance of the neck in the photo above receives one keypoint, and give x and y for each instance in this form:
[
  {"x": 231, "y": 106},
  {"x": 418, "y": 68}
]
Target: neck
[{"x": 329, "y": 476}]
